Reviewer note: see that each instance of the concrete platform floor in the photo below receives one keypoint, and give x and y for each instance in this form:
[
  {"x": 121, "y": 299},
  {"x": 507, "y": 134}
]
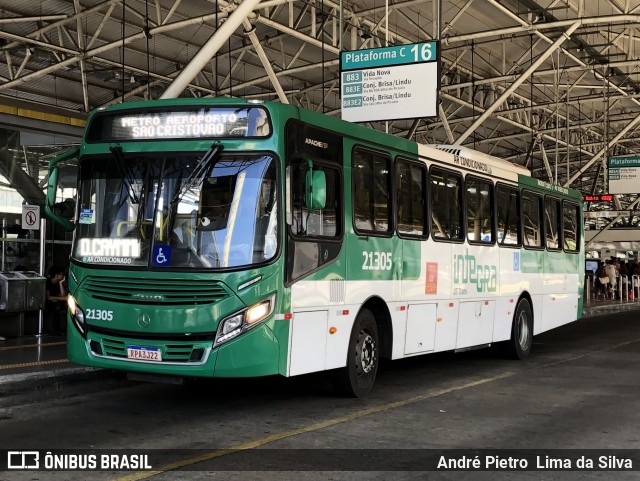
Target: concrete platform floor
[{"x": 579, "y": 390}]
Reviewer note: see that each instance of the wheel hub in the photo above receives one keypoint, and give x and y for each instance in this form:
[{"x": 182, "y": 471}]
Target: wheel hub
[
  {"x": 366, "y": 352},
  {"x": 523, "y": 330}
]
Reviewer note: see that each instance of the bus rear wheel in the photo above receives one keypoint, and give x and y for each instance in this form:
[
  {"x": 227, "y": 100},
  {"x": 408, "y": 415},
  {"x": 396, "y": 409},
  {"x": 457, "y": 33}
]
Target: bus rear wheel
[
  {"x": 363, "y": 354},
  {"x": 519, "y": 346}
]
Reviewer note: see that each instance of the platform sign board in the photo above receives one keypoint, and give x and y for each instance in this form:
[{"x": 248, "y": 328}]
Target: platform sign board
[
  {"x": 390, "y": 83},
  {"x": 605, "y": 214},
  {"x": 31, "y": 217},
  {"x": 624, "y": 174}
]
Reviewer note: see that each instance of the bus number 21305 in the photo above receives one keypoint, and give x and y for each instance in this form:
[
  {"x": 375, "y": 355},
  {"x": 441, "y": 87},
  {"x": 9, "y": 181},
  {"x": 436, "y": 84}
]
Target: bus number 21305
[{"x": 376, "y": 261}]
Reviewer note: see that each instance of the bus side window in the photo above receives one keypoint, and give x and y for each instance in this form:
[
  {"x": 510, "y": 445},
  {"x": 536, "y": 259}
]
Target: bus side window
[
  {"x": 552, "y": 223},
  {"x": 479, "y": 199},
  {"x": 570, "y": 227},
  {"x": 411, "y": 201},
  {"x": 446, "y": 205},
  {"x": 361, "y": 199},
  {"x": 531, "y": 219},
  {"x": 508, "y": 209},
  {"x": 371, "y": 188}
]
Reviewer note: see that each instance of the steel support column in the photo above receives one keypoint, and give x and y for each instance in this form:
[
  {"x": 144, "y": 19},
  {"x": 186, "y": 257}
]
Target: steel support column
[{"x": 210, "y": 49}]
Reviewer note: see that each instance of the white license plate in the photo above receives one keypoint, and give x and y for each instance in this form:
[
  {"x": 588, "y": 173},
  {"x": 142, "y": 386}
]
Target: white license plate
[{"x": 144, "y": 353}]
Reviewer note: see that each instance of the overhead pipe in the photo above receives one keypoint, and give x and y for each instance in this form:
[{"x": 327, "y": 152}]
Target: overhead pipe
[
  {"x": 81, "y": 44},
  {"x": 291, "y": 71},
  {"x": 599, "y": 154},
  {"x": 445, "y": 123},
  {"x": 41, "y": 18},
  {"x": 103, "y": 22},
  {"x": 209, "y": 49},
  {"x": 250, "y": 31},
  {"x": 298, "y": 35},
  {"x": 525, "y": 75},
  {"x": 68, "y": 19}
]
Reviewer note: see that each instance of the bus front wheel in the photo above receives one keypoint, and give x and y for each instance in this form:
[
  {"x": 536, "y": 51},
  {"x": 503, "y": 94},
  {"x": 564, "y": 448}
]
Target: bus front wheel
[
  {"x": 519, "y": 346},
  {"x": 363, "y": 354}
]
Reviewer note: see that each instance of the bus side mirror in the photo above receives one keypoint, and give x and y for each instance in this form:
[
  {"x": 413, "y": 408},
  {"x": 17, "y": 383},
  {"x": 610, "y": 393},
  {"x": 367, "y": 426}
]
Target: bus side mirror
[
  {"x": 315, "y": 190},
  {"x": 52, "y": 188}
]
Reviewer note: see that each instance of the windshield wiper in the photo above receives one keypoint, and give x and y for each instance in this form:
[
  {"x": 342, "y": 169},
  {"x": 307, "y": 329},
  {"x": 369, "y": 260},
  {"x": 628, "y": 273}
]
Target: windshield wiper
[
  {"x": 195, "y": 177},
  {"x": 125, "y": 173},
  {"x": 200, "y": 171}
]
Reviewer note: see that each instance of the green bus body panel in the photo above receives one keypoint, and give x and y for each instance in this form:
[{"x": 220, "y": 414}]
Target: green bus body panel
[
  {"x": 260, "y": 351},
  {"x": 547, "y": 188},
  {"x": 552, "y": 262},
  {"x": 255, "y": 353}
]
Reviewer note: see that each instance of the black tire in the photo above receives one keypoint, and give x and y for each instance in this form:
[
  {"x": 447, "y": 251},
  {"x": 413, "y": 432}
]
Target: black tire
[
  {"x": 363, "y": 355},
  {"x": 519, "y": 346}
]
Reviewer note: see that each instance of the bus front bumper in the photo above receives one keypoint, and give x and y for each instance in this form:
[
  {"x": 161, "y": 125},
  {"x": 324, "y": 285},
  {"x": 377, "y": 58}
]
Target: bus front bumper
[{"x": 254, "y": 353}]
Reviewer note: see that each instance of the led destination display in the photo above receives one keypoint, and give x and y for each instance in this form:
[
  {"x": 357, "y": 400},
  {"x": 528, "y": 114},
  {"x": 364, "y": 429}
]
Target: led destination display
[{"x": 183, "y": 124}]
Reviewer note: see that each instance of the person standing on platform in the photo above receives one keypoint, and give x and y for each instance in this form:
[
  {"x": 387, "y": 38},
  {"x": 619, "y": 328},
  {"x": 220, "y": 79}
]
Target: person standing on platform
[
  {"x": 612, "y": 274},
  {"x": 56, "y": 298}
]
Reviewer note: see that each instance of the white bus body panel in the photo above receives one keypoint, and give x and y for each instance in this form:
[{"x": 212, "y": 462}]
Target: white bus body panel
[{"x": 420, "y": 334}]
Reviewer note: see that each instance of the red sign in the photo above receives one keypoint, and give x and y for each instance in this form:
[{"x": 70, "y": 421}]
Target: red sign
[
  {"x": 431, "y": 284},
  {"x": 597, "y": 198}
]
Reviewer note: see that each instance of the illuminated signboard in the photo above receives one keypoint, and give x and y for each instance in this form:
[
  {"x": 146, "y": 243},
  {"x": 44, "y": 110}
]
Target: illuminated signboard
[
  {"x": 200, "y": 122},
  {"x": 597, "y": 198},
  {"x": 114, "y": 251}
]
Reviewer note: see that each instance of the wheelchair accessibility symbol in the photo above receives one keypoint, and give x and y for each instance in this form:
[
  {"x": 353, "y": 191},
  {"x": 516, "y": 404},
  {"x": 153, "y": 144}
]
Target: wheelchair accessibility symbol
[{"x": 161, "y": 255}]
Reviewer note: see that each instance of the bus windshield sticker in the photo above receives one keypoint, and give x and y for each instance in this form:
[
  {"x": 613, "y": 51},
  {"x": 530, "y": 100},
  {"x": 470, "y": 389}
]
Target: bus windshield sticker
[
  {"x": 161, "y": 255},
  {"x": 86, "y": 216}
]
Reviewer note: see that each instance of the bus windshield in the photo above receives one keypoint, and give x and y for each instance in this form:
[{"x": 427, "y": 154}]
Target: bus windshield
[{"x": 182, "y": 211}]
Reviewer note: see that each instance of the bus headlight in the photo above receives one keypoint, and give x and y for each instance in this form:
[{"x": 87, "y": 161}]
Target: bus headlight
[
  {"x": 244, "y": 320},
  {"x": 77, "y": 315},
  {"x": 231, "y": 324}
]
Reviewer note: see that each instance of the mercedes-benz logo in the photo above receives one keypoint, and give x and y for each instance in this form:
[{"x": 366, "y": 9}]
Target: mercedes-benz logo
[{"x": 144, "y": 320}]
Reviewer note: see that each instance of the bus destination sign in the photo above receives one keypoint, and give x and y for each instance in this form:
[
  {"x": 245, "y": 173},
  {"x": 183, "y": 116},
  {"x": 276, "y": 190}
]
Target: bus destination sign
[{"x": 182, "y": 124}]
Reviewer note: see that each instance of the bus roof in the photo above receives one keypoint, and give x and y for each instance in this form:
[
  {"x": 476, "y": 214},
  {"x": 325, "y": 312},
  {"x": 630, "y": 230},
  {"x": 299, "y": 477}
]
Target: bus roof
[{"x": 464, "y": 158}]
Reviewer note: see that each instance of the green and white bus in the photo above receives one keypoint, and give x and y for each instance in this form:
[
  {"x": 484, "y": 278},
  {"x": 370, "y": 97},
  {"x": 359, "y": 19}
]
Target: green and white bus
[{"x": 234, "y": 238}]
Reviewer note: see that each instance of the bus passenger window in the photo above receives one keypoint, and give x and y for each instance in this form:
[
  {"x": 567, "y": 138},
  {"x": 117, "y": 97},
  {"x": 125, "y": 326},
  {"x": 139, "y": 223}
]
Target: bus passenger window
[
  {"x": 531, "y": 225},
  {"x": 411, "y": 200},
  {"x": 479, "y": 194},
  {"x": 371, "y": 192},
  {"x": 552, "y": 223},
  {"x": 446, "y": 205},
  {"x": 508, "y": 205},
  {"x": 570, "y": 227}
]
